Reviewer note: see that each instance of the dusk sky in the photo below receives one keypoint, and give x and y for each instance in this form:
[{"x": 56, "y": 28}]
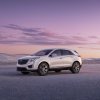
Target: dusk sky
[{"x": 30, "y": 25}]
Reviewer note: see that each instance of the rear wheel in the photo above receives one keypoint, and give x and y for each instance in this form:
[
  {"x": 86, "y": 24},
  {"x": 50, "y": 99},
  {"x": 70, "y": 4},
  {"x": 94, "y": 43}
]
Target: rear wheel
[
  {"x": 25, "y": 73},
  {"x": 43, "y": 69},
  {"x": 75, "y": 67}
]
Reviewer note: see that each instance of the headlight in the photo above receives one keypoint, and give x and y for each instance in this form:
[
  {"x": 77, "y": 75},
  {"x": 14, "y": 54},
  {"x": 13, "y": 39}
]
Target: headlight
[{"x": 33, "y": 59}]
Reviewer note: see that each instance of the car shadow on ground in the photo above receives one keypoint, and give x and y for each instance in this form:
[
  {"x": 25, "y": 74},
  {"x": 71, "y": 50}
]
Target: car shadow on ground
[
  {"x": 18, "y": 74},
  {"x": 14, "y": 73},
  {"x": 11, "y": 72},
  {"x": 35, "y": 74}
]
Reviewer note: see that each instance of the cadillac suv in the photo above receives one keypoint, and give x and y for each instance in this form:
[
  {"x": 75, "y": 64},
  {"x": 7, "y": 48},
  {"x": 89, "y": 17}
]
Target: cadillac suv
[{"x": 50, "y": 60}]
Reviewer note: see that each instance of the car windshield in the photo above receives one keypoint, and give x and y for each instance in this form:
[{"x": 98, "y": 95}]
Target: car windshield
[{"x": 42, "y": 52}]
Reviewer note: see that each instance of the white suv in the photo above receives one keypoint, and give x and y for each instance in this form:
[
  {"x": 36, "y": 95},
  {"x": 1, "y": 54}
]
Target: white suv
[{"x": 50, "y": 60}]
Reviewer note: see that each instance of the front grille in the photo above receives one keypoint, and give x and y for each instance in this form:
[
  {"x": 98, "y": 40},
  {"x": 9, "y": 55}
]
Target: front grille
[{"x": 22, "y": 61}]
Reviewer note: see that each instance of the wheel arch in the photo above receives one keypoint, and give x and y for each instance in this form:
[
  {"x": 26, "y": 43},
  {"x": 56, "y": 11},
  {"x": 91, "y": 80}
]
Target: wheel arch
[{"x": 44, "y": 62}]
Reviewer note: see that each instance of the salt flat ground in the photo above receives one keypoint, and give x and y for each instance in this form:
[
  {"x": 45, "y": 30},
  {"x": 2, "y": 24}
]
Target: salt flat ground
[{"x": 54, "y": 86}]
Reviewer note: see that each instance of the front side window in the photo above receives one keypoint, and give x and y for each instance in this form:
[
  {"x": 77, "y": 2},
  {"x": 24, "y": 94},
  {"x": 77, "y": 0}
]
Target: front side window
[{"x": 42, "y": 52}]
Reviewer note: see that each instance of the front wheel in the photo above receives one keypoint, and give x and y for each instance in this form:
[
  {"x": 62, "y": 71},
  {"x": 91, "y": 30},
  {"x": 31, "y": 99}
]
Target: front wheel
[
  {"x": 75, "y": 67},
  {"x": 43, "y": 69}
]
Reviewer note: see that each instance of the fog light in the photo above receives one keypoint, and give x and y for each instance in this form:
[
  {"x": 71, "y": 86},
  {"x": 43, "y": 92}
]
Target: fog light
[{"x": 30, "y": 66}]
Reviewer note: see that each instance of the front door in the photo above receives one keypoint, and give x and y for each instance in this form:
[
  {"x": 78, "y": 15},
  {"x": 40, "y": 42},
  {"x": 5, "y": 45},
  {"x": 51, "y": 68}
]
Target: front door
[{"x": 56, "y": 59}]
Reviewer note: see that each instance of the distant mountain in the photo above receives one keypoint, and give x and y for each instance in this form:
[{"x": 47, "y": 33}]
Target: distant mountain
[
  {"x": 8, "y": 58},
  {"x": 91, "y": 61}
]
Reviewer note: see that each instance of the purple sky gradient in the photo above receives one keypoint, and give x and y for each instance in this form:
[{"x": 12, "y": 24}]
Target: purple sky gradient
[{"x": 71, "y": 23}]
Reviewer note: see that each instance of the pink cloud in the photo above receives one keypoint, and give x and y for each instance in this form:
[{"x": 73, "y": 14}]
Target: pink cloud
[{"x": 39, "y": 36}]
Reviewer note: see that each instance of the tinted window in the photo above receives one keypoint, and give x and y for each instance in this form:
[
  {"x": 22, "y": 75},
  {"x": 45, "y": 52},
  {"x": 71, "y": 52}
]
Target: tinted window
[
  {"x": 42, "y": 52},
  {"x": 57, "y": 52},
  {"x": 66, "y": 52}
]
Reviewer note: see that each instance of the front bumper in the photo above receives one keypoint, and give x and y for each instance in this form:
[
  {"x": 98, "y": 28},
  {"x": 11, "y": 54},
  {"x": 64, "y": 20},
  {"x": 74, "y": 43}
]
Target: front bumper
[
  {"x": 25, "y": 67},
  {"x": 22, "y": 69}
]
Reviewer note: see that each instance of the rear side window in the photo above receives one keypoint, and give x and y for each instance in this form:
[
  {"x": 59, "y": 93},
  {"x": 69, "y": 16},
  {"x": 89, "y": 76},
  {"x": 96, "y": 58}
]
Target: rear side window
[{"x": 66, "y": 52}]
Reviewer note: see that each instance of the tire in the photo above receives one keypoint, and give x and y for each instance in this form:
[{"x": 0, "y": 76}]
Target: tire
[
  {"x": 43, "y": 69},
  {"x": 57, "y": 71},
  {"x": 75, "y": 67},
  {"x": 25, "y": 73}
]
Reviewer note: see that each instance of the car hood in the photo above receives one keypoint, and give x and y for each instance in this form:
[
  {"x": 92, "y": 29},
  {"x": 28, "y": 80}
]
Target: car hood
[{"x": 29, "y": 57}]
